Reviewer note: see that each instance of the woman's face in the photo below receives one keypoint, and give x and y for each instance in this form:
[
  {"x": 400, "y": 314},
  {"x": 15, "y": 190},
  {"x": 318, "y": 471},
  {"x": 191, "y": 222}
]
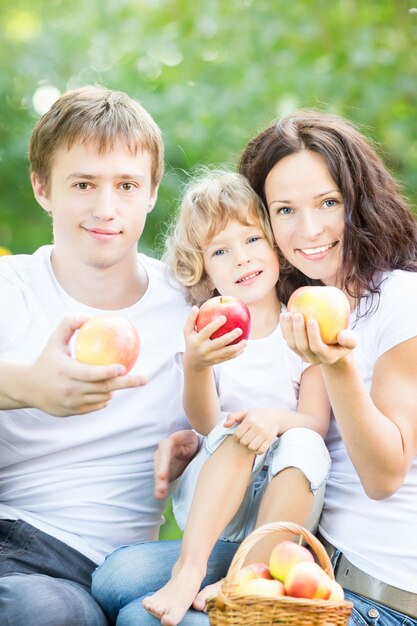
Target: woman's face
[{"x": 307, "y": 215}]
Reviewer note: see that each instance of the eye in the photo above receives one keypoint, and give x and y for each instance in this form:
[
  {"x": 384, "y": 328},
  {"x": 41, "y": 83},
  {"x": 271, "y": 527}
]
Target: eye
[
  {"x": 285, "y": 210},
  {"x": 220, "y": 252},
  {"x": 127, "y": 186},
  {"x": 254, "y": 239},
  {"x": 82, "y": 186},
  {"x": 329, "y": 204}
]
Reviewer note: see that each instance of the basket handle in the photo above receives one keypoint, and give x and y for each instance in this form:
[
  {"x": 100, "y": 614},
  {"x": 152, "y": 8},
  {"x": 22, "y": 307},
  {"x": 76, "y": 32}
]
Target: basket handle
[{"x": 277, "y": 527}]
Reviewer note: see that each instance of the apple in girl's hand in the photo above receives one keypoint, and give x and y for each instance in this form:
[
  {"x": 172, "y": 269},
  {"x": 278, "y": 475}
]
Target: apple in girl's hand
[
  {"x": 328, "y": 305},
  {"x": 107, "y": 339},
  {"x": 308, "y": 580},
  {"x": 261, "y": 587},
  {"x": 285, "y": 556},
  {"x": 253, "y": 570},
  {"x": 236, "y": 313}
]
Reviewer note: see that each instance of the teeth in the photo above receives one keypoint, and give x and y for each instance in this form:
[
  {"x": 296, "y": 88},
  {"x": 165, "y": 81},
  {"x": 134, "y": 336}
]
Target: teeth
[
  {"x": 242, "y": 280},
  {"x": 316, "y": 250}
]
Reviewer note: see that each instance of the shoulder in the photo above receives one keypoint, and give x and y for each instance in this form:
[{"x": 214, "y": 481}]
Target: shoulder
[
  {"x": 161, "y": 282},
  {"x": 17, "y": 270}
]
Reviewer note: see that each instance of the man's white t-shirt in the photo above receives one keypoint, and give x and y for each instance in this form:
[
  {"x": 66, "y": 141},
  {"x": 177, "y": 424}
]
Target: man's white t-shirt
[
  {"x": 88, "y": 479},
  {"x": 378, "y": 536}
]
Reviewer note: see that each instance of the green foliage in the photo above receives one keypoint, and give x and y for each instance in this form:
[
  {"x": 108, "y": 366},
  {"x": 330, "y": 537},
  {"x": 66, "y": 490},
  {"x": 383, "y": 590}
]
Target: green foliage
[{"x": 212, "y": 73}]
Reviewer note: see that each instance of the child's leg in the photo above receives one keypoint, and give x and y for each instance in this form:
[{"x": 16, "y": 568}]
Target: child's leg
[{"x": 220, "y": 489}]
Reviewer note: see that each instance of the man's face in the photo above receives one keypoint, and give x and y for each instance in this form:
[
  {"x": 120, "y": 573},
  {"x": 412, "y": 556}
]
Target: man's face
[{"x": 98, "y": 202}]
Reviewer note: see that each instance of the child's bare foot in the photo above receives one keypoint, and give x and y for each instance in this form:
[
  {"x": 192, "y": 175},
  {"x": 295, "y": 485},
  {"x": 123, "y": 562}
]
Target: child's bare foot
[
  {"x": 211, "y": 591},
  {"x": 171, "y": 603}
]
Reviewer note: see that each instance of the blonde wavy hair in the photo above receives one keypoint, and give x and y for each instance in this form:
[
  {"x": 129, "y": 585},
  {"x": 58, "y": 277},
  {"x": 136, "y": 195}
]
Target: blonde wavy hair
[{"x": 211, "y": 199}]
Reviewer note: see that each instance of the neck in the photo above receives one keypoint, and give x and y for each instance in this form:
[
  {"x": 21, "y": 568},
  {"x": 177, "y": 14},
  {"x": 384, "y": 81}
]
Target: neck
[
  {"x": 264, "y": 317},
  {"x": 108, "y": 288}
]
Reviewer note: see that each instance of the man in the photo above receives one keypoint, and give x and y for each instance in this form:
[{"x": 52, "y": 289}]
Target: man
[{"x": 76, "y": 440}]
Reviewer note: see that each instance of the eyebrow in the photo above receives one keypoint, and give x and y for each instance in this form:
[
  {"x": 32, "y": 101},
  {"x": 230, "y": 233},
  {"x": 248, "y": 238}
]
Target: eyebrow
[
  {"x": 76, "y": 175},
  {"x": 316, "y": 197}
]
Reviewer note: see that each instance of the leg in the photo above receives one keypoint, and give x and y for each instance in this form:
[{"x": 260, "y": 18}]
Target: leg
[
  {"x": 134, "y": 572},
  {"x": 135, "y": 614},
  {"x": 214, "y": 505},
  {"x": 44, "y": 601},
  {"x": 43, "y": 582}
]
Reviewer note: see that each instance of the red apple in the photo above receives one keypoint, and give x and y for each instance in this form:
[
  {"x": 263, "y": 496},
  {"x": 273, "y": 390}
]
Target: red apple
[
  {"x": 308, "y": 580},
  {"x": 236, "y": 313},
  {"x": 284, "y": 556},
  {"x": 253, "y": 570},
  {"x": 261, "y": 587},
  {"x": 328, "y": 305},
  {"x": 107, "y": 339}
]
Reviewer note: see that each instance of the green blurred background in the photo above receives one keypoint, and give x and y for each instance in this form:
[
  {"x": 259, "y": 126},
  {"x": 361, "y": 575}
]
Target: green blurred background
[{"x": 212, "y": 73}]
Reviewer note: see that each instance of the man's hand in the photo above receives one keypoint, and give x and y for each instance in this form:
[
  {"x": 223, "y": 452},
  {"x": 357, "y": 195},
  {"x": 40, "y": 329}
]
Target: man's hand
[
  {"x": 62, "y": 386},
  {"x": 172, "y": 457}
]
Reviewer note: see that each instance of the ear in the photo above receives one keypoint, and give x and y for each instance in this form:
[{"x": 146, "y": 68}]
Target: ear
[
  {"x": 40, "y": 193},
  {"x": 153, "y": 199}
]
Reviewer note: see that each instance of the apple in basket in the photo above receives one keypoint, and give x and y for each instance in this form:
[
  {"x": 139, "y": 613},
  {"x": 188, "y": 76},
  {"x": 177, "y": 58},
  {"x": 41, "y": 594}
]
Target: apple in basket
[
  {"x": 106, "y": 340},
  {"x": 284, "y": 556},
  {"x": 264, "y": 587},
  {"x": 236, "y": 313},
  {"x": 308, "y": 580},
  {"x": 327, "y": 305},
  {"x": 252, "y": 571}
]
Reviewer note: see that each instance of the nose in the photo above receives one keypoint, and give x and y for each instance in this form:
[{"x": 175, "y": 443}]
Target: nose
[
  {"x": 242, "y": 257},
  {"x": 310, "y": 224},
  {"x": 104, "y": 204}
]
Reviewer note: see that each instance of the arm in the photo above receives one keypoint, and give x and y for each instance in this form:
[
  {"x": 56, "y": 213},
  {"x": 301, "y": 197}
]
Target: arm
[
  {"x": 201, "y": 402},
  {"x": 259, "y": 428},
  {"x": 57, "y": 383},
  {"x": 379, "y": 428}
]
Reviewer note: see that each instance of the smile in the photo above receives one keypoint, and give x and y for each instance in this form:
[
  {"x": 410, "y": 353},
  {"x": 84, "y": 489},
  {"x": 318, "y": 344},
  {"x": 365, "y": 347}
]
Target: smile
[
  {"x": 248, "y": 277},
  {"x": 318, "y": 250}
]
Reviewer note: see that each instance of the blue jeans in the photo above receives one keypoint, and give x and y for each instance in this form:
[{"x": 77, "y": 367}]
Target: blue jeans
[
  {"x": 369, "y": 613},
  {"x": 131, "y": 573},
  {"x": 43, "y": 582}
]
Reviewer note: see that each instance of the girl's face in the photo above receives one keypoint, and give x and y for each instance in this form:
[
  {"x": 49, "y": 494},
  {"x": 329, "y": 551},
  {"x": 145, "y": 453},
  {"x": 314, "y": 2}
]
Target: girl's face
[
  {"x": 307, "y": 215},
  {"x": 240, "y": 262}
]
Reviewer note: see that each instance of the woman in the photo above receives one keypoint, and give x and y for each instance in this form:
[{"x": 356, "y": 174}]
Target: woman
[{"x": 338, "y": 219}]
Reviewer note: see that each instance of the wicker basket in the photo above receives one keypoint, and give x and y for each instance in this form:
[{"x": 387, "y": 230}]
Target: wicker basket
[{"x": 230, "y": 609}]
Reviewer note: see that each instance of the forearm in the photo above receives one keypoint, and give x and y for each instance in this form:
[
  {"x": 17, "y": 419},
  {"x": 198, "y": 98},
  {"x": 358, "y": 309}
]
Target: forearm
[
  {"x": 14, "y": 385},
  {"x": 373, "y": 441},
  {"x": 289, "y": 419},
  {"x": 201, "y": 403}
]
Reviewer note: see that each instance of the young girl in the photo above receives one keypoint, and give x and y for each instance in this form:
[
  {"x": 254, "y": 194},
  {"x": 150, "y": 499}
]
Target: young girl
[{"x": 274, "y": 466}]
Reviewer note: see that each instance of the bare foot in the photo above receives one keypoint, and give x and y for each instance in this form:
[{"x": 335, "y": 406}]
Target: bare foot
[
  {"x": 211, "y": 591},
  {"x": 172, "y": 601}
]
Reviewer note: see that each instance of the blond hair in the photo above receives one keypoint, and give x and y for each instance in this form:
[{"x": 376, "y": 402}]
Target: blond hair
[
  {"x": 210, "y": 201},
  {"x": 94, "y": 113}
]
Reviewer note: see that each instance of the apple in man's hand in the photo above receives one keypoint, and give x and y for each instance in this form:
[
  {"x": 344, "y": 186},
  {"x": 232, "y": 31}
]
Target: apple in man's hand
[
  {"x": 327, "y": 305},
  {"x": 106, "y": 340},
  {"x": 236, "y": 313}
]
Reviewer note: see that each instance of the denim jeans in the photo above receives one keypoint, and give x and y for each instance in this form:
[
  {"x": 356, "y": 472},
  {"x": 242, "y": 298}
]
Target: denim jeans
[
  {"x": 369, "y": 613},
  {"x": 133, "y": 572},
  {"x": 43, "y": 582}
]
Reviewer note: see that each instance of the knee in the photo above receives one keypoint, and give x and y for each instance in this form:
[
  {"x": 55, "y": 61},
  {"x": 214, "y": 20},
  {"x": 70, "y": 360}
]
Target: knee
[{"x": 43, "y": 601}]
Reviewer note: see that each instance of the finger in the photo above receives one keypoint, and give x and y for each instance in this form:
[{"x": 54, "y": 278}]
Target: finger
[
  {"x": 191, "y": 320},
  {"x": 126, "y": 382},
  {"x": 227, "y": 338},
  {"x": 234, "y": 418},
  {"x": 211, "y": 328},
  {"x": 348, "y": 339},
  {"x": 287, "y": 330},
  {"x": 66, "y": 328},
  {"x": 300, "y": 333},
  {"x": 162, "y": 459}
]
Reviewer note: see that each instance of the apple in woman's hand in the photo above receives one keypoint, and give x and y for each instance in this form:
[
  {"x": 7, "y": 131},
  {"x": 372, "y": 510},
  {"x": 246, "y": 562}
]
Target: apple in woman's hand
[
  {"x": 106, "y": 340},
  {"x": 327, "y": 305},
  {"x": 236, "y": 313}
]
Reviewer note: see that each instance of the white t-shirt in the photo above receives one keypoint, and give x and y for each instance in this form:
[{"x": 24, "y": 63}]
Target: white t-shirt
[
  {"x": 378, "y": 536},
  {"x": 88, "y": 479},
  {"x": 266, "y": 374}
]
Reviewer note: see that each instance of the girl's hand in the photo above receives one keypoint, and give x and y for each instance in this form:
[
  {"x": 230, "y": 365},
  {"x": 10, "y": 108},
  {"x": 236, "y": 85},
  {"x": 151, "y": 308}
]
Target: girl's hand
[
  {"x": 257, "y": 429},
  {"x": 308, "y": 344},
  {"x": 201, "y": 351}
]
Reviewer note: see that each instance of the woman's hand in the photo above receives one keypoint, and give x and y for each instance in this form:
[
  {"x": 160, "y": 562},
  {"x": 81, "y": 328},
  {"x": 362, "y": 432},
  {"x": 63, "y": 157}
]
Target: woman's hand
[
  {"x": 307, "y": 343},
  {"x": 201, "y": 351},
  {"x": 257, "y": 429}
]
